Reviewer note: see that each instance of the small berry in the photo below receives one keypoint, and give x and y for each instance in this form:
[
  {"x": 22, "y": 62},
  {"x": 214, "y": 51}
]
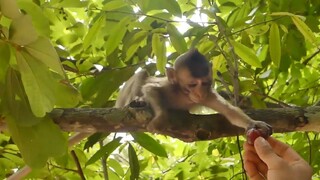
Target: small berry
[{"x": 254, "y": 133}]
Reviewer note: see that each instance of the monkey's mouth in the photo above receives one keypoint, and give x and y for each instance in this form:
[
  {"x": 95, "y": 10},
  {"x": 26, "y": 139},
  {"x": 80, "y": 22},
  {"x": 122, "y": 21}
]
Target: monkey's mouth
[{"x": 195, "y": 99}]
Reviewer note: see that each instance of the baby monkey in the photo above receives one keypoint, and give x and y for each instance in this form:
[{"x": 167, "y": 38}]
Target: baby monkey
[{"x": 187, "y": 84}]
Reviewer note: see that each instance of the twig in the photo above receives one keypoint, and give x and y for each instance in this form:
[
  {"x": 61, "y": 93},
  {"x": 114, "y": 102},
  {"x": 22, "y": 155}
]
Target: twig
[
  {"x": 306, "y": 61},
  {"x": 271, "y": 98},
  {"x": 242, "y": 164},
  {"x": 76, "y": 160},
  {"x": 62, "y": 168},
  {"x": 310, "y": 146},
  {"x": 104, "y": 163},
  {"x": 253, "y": 25},
  {"x": 235, "y": 73},
  {"x": 271, "y": 86}
]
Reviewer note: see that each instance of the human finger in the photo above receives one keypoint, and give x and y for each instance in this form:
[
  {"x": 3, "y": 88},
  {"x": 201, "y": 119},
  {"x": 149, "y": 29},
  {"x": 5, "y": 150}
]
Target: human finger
[
  {"x": 283, "y": 150},
  {"x": 251, "y": 155},
  {"x": 266, "y": 153}
]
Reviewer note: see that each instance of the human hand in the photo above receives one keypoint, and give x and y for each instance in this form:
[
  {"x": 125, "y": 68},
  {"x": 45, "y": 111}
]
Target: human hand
[{"x": 273, "y": 160}]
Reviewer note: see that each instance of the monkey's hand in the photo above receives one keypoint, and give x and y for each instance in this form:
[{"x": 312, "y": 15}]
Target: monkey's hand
[
  {"x": 158, "y": 123},
  {"x": 138, "y": 102},
  {"x": 261, "y": 126}
]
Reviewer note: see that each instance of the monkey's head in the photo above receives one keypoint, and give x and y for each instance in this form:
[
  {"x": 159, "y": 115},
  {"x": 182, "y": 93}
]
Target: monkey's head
[{"x": 192, "y": 74}]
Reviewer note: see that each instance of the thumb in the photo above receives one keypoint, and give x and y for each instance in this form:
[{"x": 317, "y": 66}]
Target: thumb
[{"x": 266, "y": 153}]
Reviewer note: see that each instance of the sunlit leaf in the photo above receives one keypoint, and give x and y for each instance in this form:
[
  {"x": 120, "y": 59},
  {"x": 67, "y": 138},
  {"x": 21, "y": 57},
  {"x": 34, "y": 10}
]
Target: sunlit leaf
[
  {"x": 37, "y": 82},
  {"x": 262, "y": 52},
  {"x": 66, "y": 95},
  {"x": 112, "y": 5},
  {"x": 149, "y": 144},
  {"x": 275, "y": 44},
  {"x": 116, "y": 165},
  {"x": 159, "y": 49},
  {"x": 135, "y": 43},
  {"x": 177, "y": 39},
  {"x": 246, "y": 54},
  {"x": 42, "y": 50},
  {"x": 92, "y": 33},
  {"x": 39, "y": 20},
  {"x": 106, "y": 150},
  {"x": 74, "y": 3},
  {"x": 134, "y": 163},
  {"x": 171, "y": 6},
  {"x": 96, "y": 89},
  {"x": 9, "y": 9},
  {"x": 22, "y": 31},
  {"x": 304, "y": 29},
  {"x": 39, "y": 142},
  {"x": 116, "y": 35}
]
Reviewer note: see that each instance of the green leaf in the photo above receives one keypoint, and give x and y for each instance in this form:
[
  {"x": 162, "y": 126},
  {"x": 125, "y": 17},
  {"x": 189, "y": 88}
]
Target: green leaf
[
  {"x": 134, "y": 163},
  {"x": 262, "y": 52},
  {"x": 149, "y": 144},
  {"x": 171, "y": 6},
  {"x": 115, "y": 4},
  {"x": 4, "y": 59},
  {"x": 92, "y": 33},
  {"x": 39, "y": 19},
  {"x": 106, "y": 150},
  {"x": 95, "y": 88},
  {"x": 13, "y": 158},
  {"x": 39, "y": 142},
  {"x": 177, "y": 40},
  {"x": 74, "y": 4},
  {"x": 116, "y": 35},
  {"x": 116, "y": 166},
  {"x": 93, "y": 139},
  {"x": 159, "y": 49},
  {"x": 37, "y": 82},
  {"x": 275, "y": 44},
  {"x": 65, "y": 95},
  {"x": 135, "y": 43},
  {"x": 304, "y": 29},
  {"x": 42, "y": 50},
  {"x": 22, "y": 31},
  {"x": 9, "y": 9},
  {"x": 15, "y": 101},
  {"x": 246, "y": 54}
]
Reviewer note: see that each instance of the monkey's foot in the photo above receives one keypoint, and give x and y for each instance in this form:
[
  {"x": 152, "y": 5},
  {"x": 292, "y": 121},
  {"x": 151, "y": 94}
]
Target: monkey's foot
[
  {"x": 138, "y": 102},
  {"x": 157, "y": 124},
  {"x": 261, "y": 126}
]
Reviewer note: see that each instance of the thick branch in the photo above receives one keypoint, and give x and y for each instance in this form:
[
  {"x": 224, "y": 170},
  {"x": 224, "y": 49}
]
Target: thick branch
[{"x": 185, "y": 126}]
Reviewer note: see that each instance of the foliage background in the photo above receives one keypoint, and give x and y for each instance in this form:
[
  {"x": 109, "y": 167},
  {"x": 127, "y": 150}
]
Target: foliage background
[{"x": 74, "y": 53}]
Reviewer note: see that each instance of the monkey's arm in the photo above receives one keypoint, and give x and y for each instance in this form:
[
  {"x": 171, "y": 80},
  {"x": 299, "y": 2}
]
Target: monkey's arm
[{"x": 234, "y": 114}]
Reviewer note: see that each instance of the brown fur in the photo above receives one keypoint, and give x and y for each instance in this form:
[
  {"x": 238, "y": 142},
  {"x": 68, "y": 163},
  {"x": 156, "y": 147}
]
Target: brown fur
[{"x": 182, "y": 90}]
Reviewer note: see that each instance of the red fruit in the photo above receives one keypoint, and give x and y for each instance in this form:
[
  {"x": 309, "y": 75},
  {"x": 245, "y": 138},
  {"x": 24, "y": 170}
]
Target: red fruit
[{"x": 254, "y": 133}]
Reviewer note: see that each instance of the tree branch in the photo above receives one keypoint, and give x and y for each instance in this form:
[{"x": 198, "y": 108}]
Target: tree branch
[{"x": 184, "y": 126}]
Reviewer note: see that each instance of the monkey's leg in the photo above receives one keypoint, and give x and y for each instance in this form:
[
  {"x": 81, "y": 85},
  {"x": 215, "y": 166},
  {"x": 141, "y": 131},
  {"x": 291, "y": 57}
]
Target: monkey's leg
[
  {"x": 132, "y": 89},
  {"x": 153, "y": 96}
]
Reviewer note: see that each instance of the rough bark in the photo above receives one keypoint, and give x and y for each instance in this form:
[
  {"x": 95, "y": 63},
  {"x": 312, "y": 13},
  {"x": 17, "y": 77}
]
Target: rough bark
[{"x": 184, "y": 126}]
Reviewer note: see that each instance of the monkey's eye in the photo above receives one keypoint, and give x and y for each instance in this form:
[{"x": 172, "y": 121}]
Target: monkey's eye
[
  {"x": 206, "y": 83},
  {"x": 192, "y": 85}
]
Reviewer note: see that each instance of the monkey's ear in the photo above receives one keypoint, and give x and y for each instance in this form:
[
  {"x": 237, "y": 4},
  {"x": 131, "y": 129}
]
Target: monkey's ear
[{"x": 171, "y": 74}]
